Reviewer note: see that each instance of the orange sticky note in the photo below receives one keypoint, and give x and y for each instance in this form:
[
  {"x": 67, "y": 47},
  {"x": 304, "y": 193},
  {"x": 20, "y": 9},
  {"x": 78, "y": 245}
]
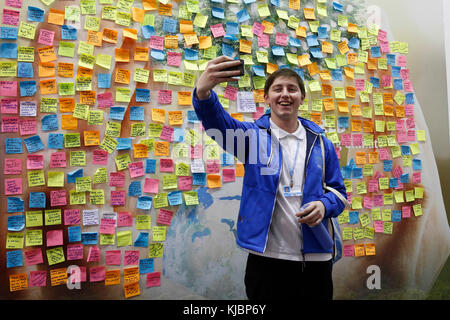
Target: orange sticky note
[
  {"x": 361, "y": 158},
  {"x": 190, "y": 38},
  {"x": 186, "y": 26},
  {"x": 140, "y": 151},
  {"x": 18, "y": 282},
  {"x": 138, "y": 14},
  {"x": 352, "y": 28},
  {"x": 304, "y": 60},
  {"x": 58, "y": 276},
  {"x": 328, "y": 104},
  {"x": 237, "y": 116},
  {"x": 389, "y": 111},
  {"x": 56, "y": 17},
  {"x": 112, "y": 277},
  {"x": 175, "y": 118},
  {"x": 94, "y": 38},
  {"x": 109, "y": 35},
  {"x": 205, "y": 42},
  {"x": 352, "y": 58},
  {"x": 66, "y": 104},
  {"x": 83, "y": 72},
  {"x": 258, "y": 95},
  {"x": 131, "y": 289},
  {"x": 343, "y": 106},
  {"x": 316, "y": 118},
  {"x": 356, "y": 110},
  {"x": 343, "y": 47},
  {"x": 309, "y": 13},
  {"x": 359, "y": 250},
  {"x": 122, "y": 76},
  {"x": 171, "y": 42},
  {"x": 313, "y": 69},
  {"x": 325, "y": 75},
  {"x": 47, "y": 54},
  {"x": 165, "y": 9},
  {"x": 162, "y": 148},
  {"x": 300, "y": 32},
  {"x": 373, "y": 157},
  {"x": 129, "y": 33},
  {"x": 294, "y": 4},
  {"x": 184, "y": 98},
  {"x": 240, "y": 170},
  {"x": 46, "y": 69},
  {"x": 149, "y": 5},
  {"x": 65, "y": 70},
  {"x": 158, "y": 115},
  {"x": 356, "y": 125},
  {"x": 370, "y": 249},
  {"x": 268, "y": 27},
  {"x": 271, "y": 67},
  {"x": 372, "y": 64},
  {"x": 327, "y": 90},
  {"x": 349, "y": 72},
  {"x": 400, "y": 111},
  {"x": 368, "y": 126},
  {"x": 327, "y": 47},
  {"x": 68, "y": 122},
  {"x": 140, "y": 54},
  {"x": 87, "y": 97},
  {"x": 91, "y": 138},
  {"x": 131, "y": 275},
  {"x": 48, "y": 86},
  {"x": 214, "y": 181},
  {"x": 245, "y": 46},
  {"x": 350, "y": 92}
]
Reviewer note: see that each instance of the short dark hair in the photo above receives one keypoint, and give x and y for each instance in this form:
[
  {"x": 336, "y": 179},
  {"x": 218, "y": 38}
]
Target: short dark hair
[{"x": 284, "y": 72}]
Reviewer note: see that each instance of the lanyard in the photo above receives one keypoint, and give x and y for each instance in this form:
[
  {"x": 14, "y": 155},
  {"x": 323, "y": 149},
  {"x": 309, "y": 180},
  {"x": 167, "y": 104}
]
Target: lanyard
[{"x": 291, "y": 169}]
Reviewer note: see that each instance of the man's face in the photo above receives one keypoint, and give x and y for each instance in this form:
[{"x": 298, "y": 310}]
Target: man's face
[{"x": 284, "y": 97}]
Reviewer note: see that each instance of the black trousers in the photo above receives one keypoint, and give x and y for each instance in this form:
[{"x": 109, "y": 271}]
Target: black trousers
[{"x": 273, "y": 279}]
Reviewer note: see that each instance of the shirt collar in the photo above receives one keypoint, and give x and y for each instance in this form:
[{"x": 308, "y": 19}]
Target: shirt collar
[{"x": 300, "y": 133}]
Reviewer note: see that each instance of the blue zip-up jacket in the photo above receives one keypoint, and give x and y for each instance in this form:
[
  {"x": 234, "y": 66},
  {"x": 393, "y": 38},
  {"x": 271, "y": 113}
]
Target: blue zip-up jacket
[{"x": 262, "y": 157}]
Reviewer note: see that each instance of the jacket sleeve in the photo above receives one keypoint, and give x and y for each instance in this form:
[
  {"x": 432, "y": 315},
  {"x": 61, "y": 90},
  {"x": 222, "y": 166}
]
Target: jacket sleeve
[
  {"x": 221, "y": 126},
  {"x": 333, "y": 178}
]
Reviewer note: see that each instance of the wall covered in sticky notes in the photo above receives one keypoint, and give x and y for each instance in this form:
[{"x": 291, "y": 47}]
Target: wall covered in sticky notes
[{"x": 130, "y": 173}]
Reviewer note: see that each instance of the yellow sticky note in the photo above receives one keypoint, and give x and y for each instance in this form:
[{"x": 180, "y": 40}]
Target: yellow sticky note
[
  {"x": 159, "y": 233},
  {"x": 55, "y": 179},
  {"x": 36, "y": 178},
  {"x": 143, "y": 222},
  {"x": 14, "y": 240},
  {"x": 124, "y": 238},
  {"x": 55, "y": 256},
  {"x": 33, "y": 237}
]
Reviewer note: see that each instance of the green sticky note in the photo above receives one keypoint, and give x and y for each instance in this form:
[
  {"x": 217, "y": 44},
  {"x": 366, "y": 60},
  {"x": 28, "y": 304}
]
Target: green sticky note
[
  {"x": 66, "y": 89},
  {"x": 143, "y": 222},
  {"x": 124, "y": 238},
  {"x": 170, "y": 181},
  {"x": 104, "y": 61},
  {"x": 97, "y": 196},
  {"x": 77, "y": 158},
  {"x": 55, "y": 256},
  {"x": 27, "y": 30},
  {"x": 33, "y": 219},
  {"x": 122, "y": 161},
  {"x": 159, "y": 233},
  {"x": 55, "y": 179},
  {"x": 109, "y": 144},
  {"x": 191, "y": 198},
  {"x": 83, "y": 184},
  {"x": 123, "y": 94},
  {"x": 52, "y": 217},
  {"x": 77, "y": 197}
]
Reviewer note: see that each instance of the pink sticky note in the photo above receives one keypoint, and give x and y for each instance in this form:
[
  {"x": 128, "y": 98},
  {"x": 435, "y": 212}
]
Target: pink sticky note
[
  {"x": 72, "y": 217},
  {"x": 136, "y": 169},
  {"x": 359, "y": 84},
  {"x": 12, "y": 166},
  {"x": 264, "y": 41},
  {"x": 14, "y": 3},
  {"x": 28, "y": 126},
  {"x": 58, "y": 198},
  {"x": 410, "y": 123},
  {"x": 404, "y": 74},
  {"x": 373, "y": 185},
  {"x": 400, "y": 124},
  {"x": 357, "y": 140},
  {"x": 384, "y": 47},
  {"x": 97, "y": 274},
  {"x": 105, "y": 100},
  {"x": 397, "y": 172},
  {"x": 33, "y": 257},
  {"x": 346, "y": 139},
  {"x": 75, "y": 251},
  {"x": 349, "y": 250},
  {"x": 118, "y": 198},
  {"x": 407, "y": 86},
  {"x": 166, "y": 165},
  {"x": 10, "y": 124},
  {"x": 164, "y": 96},
  {"x": 113, "y": 258},
  {"x": 13, "y": 186},
  {"x": 378, "y": 226},
  {"x": 8, "y": 88},
  {"x": 411, "y": 135},
  {"x": 409, "y": 110},
  {"x": 167, "y": 133},
  {"x": 54, "y": 238},
  {"x": 10, "y": 17},
  {"x": 46, "y": 37},
  {"x": 367, "y": 202},
  {"x": 231, "y": 93},
  {"x": 212, "y": 166},
  {"x": 100, "y": 157},
  {"x": 196, "y": 151},
  {"x": 107, "y": 226},
  {"x": 259, "y": 113},
  {"x": 153, "y": 279},
  {"x": 173, "y": 59},
  {"x": 38, "y": 278},
  {"x": 131, "y": 257},
  {"x": 378, "y": 200},
  {"x": 124, "y": 219},
  {"x": 151, "y": 185},
  {"x": 164, "y": 217},
  {"x": 406, "y": 212},
  {"x": 401, "y": 137},
  {"x": 258, "y": 29},
  {"x": 281, "y": 39},
  {"x": 35, "y": 161},
  {"x": 185, "y": 183},
  {"x": 156, "y": 42},
  {"x": 401, "y": 61},
  {"x": 386, "y": 81},
  {"x": 382, "y": 35},
  {"x": 116, "y": 179},
  {"x": 94, "y": 254},
  {"x": 9, "y": 106},
  {"x": 383, "y": 153},
  {"x": 228, "y": 175},
  {"x": 77, "y": 274},
  {"x": 417, "y": 177},
  {"x": 217, "y": 30},
  {"x": 58, "y": 160}
]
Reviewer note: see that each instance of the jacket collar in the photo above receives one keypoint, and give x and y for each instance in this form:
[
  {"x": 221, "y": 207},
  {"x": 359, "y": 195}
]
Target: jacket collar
[{"x": 264, "y": 123}]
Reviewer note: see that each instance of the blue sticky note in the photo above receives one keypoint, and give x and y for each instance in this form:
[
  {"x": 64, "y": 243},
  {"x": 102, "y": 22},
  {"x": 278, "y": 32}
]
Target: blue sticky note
[
  {"x": 14, "y": 259},
  {"x": 346, "y": 172},
  {"x": 55, "y": 140},
  {"x": 357, "y": 173},
  {"x": 353, "y": 217},
  {"x": 404, "y": 178},
  {"x": 8, "y": 33},
  {"x": 27, "y": 88},
  {"x": 311, "y": 40},
  {"x": 25, "y": 70},
  {"x": 33, "y": 144},
  {"x": 117, "y": 113},
  {"x": 352, "y": 163},
  {"x": 343, "y": 122},
  {"x": 158, "y": 55},
  {"x": 147, "y": 31},
  {"x": 192, "y": 117},
  {"x": 396, "y": 215},
  {"x": 227, "y": 50},
  {"x": 137, "y": 113},
  {"x": 50, "y": 122},
  {"x": 393, "y": 182},
  {"x": 300, "y": 72},
  {"x": 336, "y": 74},
  {"x": 74, "y": 233},
  {"x": 276, "y": 3},
  {"x": 16, "y": 223},
  {"x": 150, "y": 166},
  {"x": 134, "y": 189},
  {"x": 68, "y": 33},
  {"x": 387, "y": 165},
  {"x": 124, "y": 144},
  {"x": 406, "y": 150},
  {"x": 409, "y": 98},
  {"x": 398, "y": 84},
  {"x": 178, "y": 135},
  {"x": 37, "y": 200},
  {"x": 218, "y": 12},
  {"x": 338, "y": 7},
  {"x": 170, "y": 25},
  {"x": 232, "y": 28},
  {"x": 72, "y": 176},
  {"x": 316, "y": 52},
  {"x": 142, "y": 240},
  {"x": 142, "y": 95},
  {"x": 104, "y": 80},
  {"x": 258, "y": 70},
  {"x": 390, "y": 59},
  {"x": 89, "y": 238},
  {"x": 231, "y": 37},
  {"x": 35, "y": 14},
  {"x": 375, "y": 82},
  {"x": 199, "y": 179},
  {"x": 227, "y": 159},
  {"x": 354, "y": 43},
  {"x": 278, "y": 51},
  {"x": 145, "y": 265},
  {"x": 243, "y": 16},
  {"x": 294, "y": 42},
  {"x": 190, "y": 54},
  {"x": 396, "y": 72},
  {"x": 375, "y": 52},
  {"x": 8, "y": 50},
  {"x": 13, "y": 145},
  {"x": 15, "y": 204},
  {"x": 322, "y": 32},
  {"x": 417, "y": 164},
  {"x": 249, "y": 1},
  {"x": 144, "y": 202},
  {"x": 175, "y": 197}
]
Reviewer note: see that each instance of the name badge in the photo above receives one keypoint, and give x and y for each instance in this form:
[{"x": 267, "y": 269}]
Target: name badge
[{"x": 295, "y": 191}]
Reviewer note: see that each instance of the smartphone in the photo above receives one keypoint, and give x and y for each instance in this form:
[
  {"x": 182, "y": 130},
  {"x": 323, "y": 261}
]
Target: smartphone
[{"x": 239, "y": 67}]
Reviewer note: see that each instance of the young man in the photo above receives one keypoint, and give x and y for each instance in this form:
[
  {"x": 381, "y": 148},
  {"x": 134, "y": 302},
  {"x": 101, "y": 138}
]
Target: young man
[{"x": 285, "y": 259}]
